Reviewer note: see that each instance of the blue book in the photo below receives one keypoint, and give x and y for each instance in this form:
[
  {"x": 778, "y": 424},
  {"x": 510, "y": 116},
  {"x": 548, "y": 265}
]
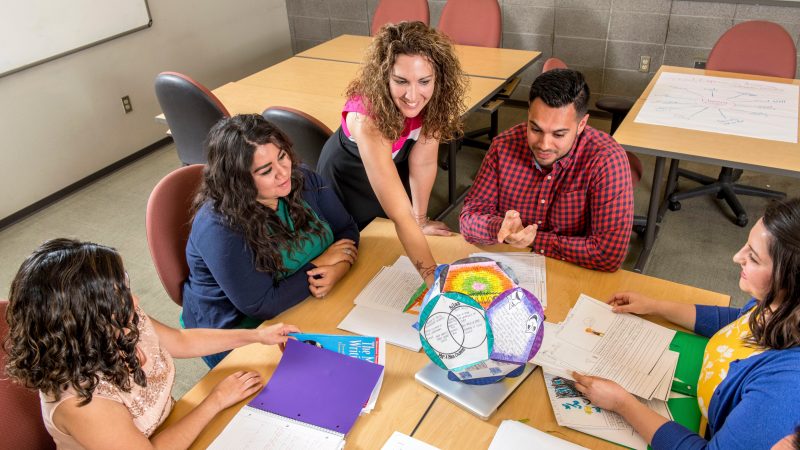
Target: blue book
[{"x": 365, "y": 348}]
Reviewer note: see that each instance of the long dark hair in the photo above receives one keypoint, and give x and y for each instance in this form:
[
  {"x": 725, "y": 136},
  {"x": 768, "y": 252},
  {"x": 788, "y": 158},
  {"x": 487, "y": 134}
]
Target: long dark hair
[
  {"x": 229, "y": 186},
  {"x": 780, "y": 328},
  {"x": 72, "y": 321}
]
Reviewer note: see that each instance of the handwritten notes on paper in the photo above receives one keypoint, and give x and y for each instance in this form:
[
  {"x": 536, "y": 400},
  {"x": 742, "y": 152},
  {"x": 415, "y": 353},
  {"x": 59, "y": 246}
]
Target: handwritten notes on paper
[
  {"x": 516, "y": 321},
  {"x": 756, "y": 109},
  {"x": 454, "y": 331},
  {"x": 621, "y": 347}
]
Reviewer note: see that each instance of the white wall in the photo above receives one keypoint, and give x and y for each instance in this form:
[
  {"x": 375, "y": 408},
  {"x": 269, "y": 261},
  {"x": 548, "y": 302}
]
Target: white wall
[{"x": 63, "y": 120}]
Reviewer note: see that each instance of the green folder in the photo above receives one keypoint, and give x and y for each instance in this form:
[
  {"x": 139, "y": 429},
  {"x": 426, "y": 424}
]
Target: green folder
[{"x": 691, "y": 348}]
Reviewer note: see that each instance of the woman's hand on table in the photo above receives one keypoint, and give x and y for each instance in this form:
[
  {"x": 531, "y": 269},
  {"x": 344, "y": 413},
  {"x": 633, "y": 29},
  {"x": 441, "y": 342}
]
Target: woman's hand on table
[
  {"x": 322, "y": 279},
  {"x": 235, "y": 388},
  {"x": 632, "y": 302},
  {"x": 275, "y": 334},
  {"x": 603, "y": 393},
  {"x": 343, "y": 250}
]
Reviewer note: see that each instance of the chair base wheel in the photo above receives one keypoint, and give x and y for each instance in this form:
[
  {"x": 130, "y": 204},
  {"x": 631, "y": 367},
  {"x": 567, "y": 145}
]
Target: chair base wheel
[
  {"x": 741, "y": 220},
  {"x": 674, "y": 206},
  {"x": 639, "y": 229}
]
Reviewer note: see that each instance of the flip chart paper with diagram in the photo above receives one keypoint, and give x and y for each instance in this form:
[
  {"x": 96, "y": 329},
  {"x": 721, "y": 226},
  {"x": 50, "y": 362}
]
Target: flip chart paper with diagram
[
  {"x": 454, "y": 331},
  {"x": 515, "y": 317},
  {"x": 749, "y": 108}
]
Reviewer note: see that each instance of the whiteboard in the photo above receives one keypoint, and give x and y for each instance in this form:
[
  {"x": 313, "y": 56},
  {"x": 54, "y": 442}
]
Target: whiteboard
[{"x": 36, "y": 31}]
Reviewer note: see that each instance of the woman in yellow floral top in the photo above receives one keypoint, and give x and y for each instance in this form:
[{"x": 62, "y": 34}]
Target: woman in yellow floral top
[
  {"x": 748, "y": 388},
  {"x": 103, "y": 368}
]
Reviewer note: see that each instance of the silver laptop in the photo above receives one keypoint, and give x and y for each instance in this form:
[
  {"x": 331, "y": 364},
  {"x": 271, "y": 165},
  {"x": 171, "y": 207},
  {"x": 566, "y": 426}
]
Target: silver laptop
[{"x": 480, "y": 400}]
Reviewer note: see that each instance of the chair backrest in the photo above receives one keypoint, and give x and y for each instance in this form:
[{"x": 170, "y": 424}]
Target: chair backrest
[
  {"x": 21, "y": 423},
  {"x": 307, "y": 134},
  {"x": 396, "y": 11},
  {"x": 191, "y": 110},
  {"x": 553, "y": 63},
  {"x": 168, "y": 222},
  {"x": 757, "y": 48},
  {"x": 472, "y": 22}
]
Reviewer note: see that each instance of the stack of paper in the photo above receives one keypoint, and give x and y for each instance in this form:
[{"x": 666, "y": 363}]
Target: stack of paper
[
  {"x": 573, "y": 410},
  {"x": 529, "y": 269},
  {"x": 379, "y": 308},
  {"x": 621, "y": 347}
]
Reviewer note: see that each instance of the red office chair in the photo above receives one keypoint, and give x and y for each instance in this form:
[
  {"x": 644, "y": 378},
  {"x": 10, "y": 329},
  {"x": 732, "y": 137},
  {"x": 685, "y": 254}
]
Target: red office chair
[
  {"x": 396, "y": 11},
  {"x": 21, "y": 424},
  {"x": 307, "y": 134},
  {"x": 757, "y": 48},
  {"x": 191, "y": 110},
  {"x": 168, "y": 221},
  {"x": 458, "y": 22},
  {"x": 553, "y": 63}
]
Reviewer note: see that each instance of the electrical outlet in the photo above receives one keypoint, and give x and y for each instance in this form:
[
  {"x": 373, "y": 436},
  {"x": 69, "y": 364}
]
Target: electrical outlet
[
  {"x": 126, "y": 104},
  {"x": 644, "y": 63},
  {"x": 699, "y": 63}
]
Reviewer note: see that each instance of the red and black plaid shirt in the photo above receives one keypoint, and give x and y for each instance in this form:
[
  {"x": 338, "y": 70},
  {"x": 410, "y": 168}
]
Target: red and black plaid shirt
[{"x": 583, "y": 205}]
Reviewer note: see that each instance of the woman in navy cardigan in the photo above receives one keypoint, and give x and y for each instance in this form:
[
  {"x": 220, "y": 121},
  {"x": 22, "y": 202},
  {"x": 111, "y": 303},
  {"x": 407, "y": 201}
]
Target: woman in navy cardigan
[
  {"x": 748, "y": 388},
  {"x": 266, "y": 234}
]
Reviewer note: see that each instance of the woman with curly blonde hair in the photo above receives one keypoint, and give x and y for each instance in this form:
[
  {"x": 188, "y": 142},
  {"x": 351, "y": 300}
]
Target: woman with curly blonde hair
[{"x": 407, "y": 98}]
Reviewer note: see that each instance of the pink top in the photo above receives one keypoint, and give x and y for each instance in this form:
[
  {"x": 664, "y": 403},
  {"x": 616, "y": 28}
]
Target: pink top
[
  {"x": 149, "y": 406},
  {"x": 411, "y": 128}
]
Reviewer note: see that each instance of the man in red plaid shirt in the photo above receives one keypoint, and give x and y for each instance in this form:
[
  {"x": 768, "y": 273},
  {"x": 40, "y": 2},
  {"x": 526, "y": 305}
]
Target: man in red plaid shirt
[{"x": 554, "y": 183}]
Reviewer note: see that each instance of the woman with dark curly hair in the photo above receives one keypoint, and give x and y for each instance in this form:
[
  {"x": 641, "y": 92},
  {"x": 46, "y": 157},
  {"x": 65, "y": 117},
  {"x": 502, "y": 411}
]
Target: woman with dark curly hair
[
  {"x": 266, "y": 234},
  {"x": 104, "y": 368},
  {"x": 748, "y": 387},
  {"x": 408, "y": 97}
]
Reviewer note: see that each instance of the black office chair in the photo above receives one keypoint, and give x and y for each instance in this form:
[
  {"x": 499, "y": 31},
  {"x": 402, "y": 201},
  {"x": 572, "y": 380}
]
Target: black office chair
[
  {"x": 307, "y": 134},
  {"x": 758, "y": 48},
  {"x": 191, "y": 110}
]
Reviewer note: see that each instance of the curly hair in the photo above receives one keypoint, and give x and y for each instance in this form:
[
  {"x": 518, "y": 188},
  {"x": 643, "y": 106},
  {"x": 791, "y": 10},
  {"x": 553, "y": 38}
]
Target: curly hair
[
  {"x": 775, "y": 321},
  {"x": 229, "y": 186},
  {"x": 72, "y": 321},
  {"x": 442, "y": 114}
]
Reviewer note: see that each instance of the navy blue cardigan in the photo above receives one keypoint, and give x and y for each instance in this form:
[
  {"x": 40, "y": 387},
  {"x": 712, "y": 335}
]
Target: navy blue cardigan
[
  {"x": 224, "y": 286},
  {"x": 755, "y": 406}
]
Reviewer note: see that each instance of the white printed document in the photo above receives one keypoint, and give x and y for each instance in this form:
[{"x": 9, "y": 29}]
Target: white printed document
[
  {"x": 749, "y": 108},
  {"x": 514, "y": 435},
  {"x": 400, "y": 441},
  {"x": 379, "y": 306},
  {"x": 573, "y": 410},
  {"x": 621, "y": 347}
]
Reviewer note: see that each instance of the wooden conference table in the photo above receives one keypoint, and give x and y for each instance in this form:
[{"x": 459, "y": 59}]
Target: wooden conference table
[
  {"x": 403, "y": 402},
  {"x": 486, "y": 62},
  {"x": 774, "y": 157}
]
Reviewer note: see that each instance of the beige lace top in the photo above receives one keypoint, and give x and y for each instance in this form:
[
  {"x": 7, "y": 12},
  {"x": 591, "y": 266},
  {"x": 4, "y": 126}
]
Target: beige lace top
[{"x": 149, "y": 406}]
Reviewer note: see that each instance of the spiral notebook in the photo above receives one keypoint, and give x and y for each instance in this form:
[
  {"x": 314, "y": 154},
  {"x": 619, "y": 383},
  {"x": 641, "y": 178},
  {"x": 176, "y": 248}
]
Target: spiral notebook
[{"x": 311, "y": 402}]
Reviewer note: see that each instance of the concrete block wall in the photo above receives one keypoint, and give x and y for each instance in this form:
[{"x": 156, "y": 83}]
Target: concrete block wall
[{"x": 604, "y": 39}]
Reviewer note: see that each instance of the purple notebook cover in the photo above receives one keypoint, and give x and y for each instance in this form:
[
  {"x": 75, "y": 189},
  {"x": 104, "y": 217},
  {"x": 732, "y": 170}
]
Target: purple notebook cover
[{"x": 319, "y": 387}]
